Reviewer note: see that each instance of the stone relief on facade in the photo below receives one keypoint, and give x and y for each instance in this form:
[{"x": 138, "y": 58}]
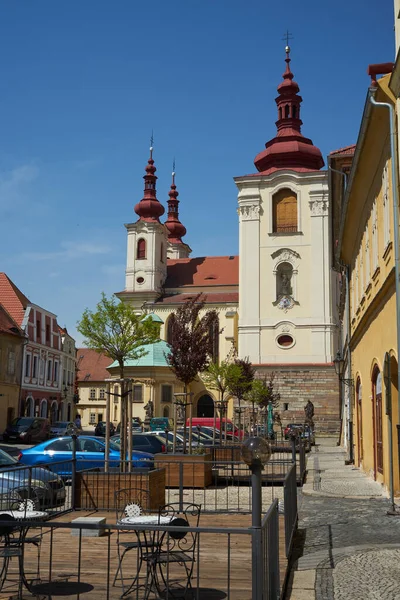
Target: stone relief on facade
[
  {"x": 249, "y": 212},
  {"x": 319, "y": 208},
  {"x": 285, "y": 254}
]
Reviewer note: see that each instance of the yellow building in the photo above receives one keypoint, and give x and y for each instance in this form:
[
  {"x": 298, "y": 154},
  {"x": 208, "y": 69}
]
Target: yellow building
[
  {"x": 12, "y": 341},
  {"x": 365, "y": 246}
]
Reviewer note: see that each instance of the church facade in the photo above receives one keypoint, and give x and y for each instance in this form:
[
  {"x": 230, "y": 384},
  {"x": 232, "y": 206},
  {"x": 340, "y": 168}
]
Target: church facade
[{"x": 274, "y": 300}]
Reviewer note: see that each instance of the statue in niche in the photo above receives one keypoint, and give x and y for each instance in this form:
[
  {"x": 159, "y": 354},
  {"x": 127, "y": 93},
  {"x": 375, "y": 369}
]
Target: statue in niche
[{"x": 283, "y": 280}]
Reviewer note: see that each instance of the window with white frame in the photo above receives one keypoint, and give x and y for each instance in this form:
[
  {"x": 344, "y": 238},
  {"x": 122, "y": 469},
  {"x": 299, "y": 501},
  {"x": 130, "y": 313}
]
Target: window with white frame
[
  {"x": 11, "y": 363},
  {"x": 27, "y": 365},
  {"x": 138, "y": 393},
  {"x": 49, "y": 370},
  {"x": 92, "y": 418},
  {"x": 92, "y": 394},
  {"x": 56, "y": 371},
  {"x": 166, "y": 393},
  {"x": 64, "y": 376},
  {"x": 102, "y": 393},
  {"x": 375, "y": 257},
  {"x": 367, "y": 257},
  {"x": 386, "y": 205}
]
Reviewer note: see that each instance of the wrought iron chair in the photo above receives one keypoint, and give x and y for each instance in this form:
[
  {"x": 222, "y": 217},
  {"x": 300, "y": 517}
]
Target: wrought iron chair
[
  {"x": 130, "y": 502},
  {"x": 11, "y": 546},
  {"x": 174, "y": 553}
]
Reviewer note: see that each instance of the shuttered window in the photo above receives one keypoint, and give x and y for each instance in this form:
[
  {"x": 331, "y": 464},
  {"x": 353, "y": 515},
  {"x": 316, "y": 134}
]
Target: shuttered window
[
  {"x": 285, "y": 212},
  {"x": 141, "y": 249}
]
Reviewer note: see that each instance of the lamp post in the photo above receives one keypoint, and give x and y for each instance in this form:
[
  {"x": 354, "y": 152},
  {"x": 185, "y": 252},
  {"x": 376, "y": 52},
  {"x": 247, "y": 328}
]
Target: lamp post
[
  {"x": 256, "y": 452},
  {"x": 339, "y": 365}
]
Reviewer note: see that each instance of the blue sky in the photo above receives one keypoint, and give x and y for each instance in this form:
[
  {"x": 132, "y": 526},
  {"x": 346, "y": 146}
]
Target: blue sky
[{"x": 82, "y": 84}]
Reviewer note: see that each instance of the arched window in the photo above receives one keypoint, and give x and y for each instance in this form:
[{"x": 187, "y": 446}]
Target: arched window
[
  {"x": 286, "y": 110},
  {"x": 141, "y": 249},
  {"x": 378, "y": 425},
  {"x": 170, "y": 330},
  {"x": 284, "y": 208},
  {"x": 214, "y": 340},
  {"x": 294, "y": 112}
]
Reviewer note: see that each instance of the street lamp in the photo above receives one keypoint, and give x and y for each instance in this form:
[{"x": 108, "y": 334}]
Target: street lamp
[
  {"x": 256, "y": 452},
  {"x": 338, "y": 364}
]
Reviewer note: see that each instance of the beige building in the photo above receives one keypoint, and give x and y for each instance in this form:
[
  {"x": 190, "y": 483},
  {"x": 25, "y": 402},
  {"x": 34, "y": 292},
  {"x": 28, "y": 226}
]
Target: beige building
[
  {"x": 91, "y": 375},
  {"x": 12, "y": 340}
]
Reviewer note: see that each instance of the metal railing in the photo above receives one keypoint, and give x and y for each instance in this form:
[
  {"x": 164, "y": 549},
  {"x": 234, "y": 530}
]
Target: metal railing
[
  {"x": 290, "y": 507},
  {"x": 270, "y": 553},
  {"x": 222, "y": 567}
]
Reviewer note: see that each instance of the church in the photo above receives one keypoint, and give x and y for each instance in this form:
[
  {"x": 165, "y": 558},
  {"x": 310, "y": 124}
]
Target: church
[{"x": 275, "y": 301}]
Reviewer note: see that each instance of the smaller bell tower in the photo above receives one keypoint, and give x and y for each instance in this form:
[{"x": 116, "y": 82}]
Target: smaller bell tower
[
  {"x": 146, "y": 264},
  {"x": 176, "y": 247}
]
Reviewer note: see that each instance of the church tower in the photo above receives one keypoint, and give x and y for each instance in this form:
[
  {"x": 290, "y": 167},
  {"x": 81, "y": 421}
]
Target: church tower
[
  {"x": 146, "y": 265},
  {"x": 176, "y": 247},
  {"x": 286, "y": 320}
]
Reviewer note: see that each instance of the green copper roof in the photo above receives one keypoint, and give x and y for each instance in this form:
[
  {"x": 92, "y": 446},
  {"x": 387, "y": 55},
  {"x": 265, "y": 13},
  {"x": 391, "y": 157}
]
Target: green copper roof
[
  {"x": 155, "y": 356},
  {"x": 153, "y": 317}
]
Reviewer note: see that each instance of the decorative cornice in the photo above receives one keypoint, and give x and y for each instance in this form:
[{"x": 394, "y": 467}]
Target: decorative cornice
[{"x": 249, "y": 212}]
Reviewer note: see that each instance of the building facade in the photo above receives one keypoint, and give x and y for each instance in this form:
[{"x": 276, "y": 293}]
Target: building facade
[
  {"x": 68, "y": 392},
  {"x": 92, "y": 386},
  {"x": 12, "y": 340},
  {"x": 41, "y": 379},
  {"x": 366, "y": 249}
]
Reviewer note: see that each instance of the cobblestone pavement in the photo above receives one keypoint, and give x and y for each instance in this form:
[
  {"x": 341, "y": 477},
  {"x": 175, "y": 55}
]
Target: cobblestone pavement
[{"x": 346, "y": 547}]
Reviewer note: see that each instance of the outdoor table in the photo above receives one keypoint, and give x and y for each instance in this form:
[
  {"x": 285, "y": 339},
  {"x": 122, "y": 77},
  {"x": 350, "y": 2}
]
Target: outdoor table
[
  {"x": 20, "y": 516},
  {"x": 146, "y": 545}
]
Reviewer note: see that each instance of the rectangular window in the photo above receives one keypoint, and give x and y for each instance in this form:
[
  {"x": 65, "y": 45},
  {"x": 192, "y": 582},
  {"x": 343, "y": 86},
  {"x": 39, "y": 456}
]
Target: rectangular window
[
  {"x": 92, "y": 394},
  {"x": 102, "y": 393},
  {"x": 49, "y": 369},
  {"x": 11, "y": 363},
  {"x": 166, "y": 393},
  {"x": 374, "y": 237},
  {"x": 138, "y": 393},
  {"x": 64, "y": 377},
  {"x": 56, "y": 371},
  {"x": 367, "y": 257},
  {"x": 47, "y": 333},
  {"x": 38, "y": 331},
  {"x": 27, "y": 365},
  {"x": 92, "y": 419},
  {"x": 386, "y": 206},
  {"x": 35, "y": 363}
]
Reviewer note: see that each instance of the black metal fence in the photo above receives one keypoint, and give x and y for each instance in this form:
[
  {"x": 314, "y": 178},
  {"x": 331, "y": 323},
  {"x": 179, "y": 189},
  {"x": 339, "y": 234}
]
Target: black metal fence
[
  {"x": 270, "y": 553},
  {"x": 290, "y": 507}
]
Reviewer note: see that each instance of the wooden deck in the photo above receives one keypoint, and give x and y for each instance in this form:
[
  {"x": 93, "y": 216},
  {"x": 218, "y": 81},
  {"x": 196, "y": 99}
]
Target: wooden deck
[{"x": 224, "y": 561}]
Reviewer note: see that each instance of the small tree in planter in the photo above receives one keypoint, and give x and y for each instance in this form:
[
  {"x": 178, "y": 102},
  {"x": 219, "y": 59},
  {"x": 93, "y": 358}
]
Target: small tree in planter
[
  {"x": 116, "y": 330},
  {"x": 191, "y": 346},
  {"x": 222, "y": 377}
]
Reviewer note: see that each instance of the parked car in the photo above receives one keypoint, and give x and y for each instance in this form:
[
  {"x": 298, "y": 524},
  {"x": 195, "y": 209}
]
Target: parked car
[
  {"x": 40, "y": 484},
  {"x": 163, "y": 423},
  {"x": 100, "y": 429},
  {"x": 29, "y": 430},
  {"x": 137, "y": 425},
  {"x": 64, "y": 428},
  {"x": 162, "y": 434},
  {"x": 232, "y": 432},
  {"x": 145, "y": 442},
  {"x": 90, "y": 454}
]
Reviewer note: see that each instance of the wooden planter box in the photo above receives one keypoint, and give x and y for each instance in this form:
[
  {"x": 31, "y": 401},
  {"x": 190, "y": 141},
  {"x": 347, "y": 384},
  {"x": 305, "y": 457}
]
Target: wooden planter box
[
  {"x": 231, "y": 454},
  {"x": 95, "y": 489},
  {"x": 196, "y": 470}
]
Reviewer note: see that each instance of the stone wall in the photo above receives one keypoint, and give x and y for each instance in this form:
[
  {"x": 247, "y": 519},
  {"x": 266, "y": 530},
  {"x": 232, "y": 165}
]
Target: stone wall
[{"x": 297, "y": 385}]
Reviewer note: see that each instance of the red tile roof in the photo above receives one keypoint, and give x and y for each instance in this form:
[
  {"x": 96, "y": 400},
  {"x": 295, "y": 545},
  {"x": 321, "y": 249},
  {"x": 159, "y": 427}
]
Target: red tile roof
[
  {"x": 213, "y": 298},
  {"x": 203, "y": 271},
  {"x": 13, "y": 300},
  {"x": 346, "y": 150},
  {"x": 8, "y": 325},
  {"x": 91, "y": 365}
]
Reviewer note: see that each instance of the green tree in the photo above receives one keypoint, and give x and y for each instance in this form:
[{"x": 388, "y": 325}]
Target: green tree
[
  {"x": 116, "y": 330},
  {"x": 223, "y": 377},
  {"x": 243, "y": 385},
  {"x": 262, "y": 393}
]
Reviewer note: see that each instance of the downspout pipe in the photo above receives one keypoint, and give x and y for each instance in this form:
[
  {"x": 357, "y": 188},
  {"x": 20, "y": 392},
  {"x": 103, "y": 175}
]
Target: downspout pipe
[
  {"x": 395, "y": 196},
  {"x": 350, "y": 428}
]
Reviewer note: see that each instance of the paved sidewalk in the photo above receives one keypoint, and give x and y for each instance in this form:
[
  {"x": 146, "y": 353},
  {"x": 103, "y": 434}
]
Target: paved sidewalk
[{"x": 346, "y": 547}]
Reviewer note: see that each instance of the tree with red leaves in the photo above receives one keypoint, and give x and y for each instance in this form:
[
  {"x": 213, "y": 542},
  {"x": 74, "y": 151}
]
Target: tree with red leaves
[{"x": 191, "y": 344}]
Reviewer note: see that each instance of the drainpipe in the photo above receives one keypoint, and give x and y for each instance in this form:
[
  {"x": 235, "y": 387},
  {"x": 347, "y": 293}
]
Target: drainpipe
[
  {"x": 349, "y": 370},
  {"x": 395, "y": 197}
]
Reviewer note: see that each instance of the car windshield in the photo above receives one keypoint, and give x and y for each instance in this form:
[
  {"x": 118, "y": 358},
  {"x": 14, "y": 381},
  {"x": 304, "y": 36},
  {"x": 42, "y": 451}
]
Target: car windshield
[
  {"x": 6, "y": 460},
  {"x": 60, "y": 424},
  {"x": 21, "y": 422},
  {"x": 115, "y": 446}
]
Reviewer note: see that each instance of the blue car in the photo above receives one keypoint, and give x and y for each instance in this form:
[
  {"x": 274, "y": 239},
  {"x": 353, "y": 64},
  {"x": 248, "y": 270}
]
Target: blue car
[{"x": 90, "y": 450}]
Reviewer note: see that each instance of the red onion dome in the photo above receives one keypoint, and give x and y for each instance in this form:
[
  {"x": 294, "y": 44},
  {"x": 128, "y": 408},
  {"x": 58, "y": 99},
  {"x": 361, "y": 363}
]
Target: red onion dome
[
  {"x": 149, "y": 208},
  {"x": 175, "y": 228}
]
